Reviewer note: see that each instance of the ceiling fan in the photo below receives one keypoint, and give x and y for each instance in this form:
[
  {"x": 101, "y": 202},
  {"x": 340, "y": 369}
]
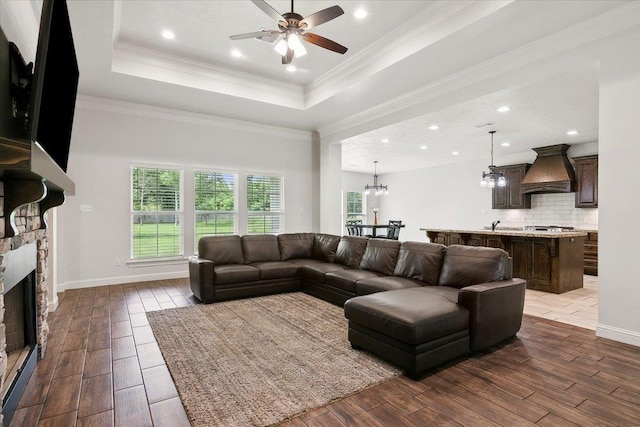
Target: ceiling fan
[{"x": 293, "y": 30}]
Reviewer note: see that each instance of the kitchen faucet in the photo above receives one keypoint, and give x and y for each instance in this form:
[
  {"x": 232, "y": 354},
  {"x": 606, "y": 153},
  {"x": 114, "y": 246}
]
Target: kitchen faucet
[{"x": 494, "y": 224}]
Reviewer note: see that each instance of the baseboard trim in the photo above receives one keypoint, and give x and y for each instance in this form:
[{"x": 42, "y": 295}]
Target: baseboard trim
[
  {"x": 53, "y": 304},
  {"x": 107, "y": 281},
  {"x": 618, "y": 334}
]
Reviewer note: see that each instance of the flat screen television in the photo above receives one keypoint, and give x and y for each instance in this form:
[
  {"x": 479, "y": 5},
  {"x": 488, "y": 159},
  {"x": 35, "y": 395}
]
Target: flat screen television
[{"x": 54, "y": 84}]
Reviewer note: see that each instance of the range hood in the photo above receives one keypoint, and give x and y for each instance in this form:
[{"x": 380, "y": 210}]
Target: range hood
[{"x": 551, "y": 172}]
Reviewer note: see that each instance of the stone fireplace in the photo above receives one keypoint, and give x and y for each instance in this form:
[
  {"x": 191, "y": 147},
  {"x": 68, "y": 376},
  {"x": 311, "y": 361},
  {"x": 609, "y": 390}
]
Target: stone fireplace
[{"x": 23, "y": 299}]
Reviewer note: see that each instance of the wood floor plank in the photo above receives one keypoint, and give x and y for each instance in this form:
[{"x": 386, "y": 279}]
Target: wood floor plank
[
  {"x": 159, "y": 384},
  {"x": 62, "y": 420},
  {"x": 131, "y": 404},
  {"x": 70, "y": 363},
  {"x": 103, "y": 419},
  {"x": 96, "y": 395},
  {"x": 126, "y": 373},
  {"x": 169, "y": 413},
  {"x": 27, "y": 416},
  {"x": 563, "y": 411},
  {"x": 97, "y": 363},
  {"x": 66, "y": 396},
  {"x": 575, "y": 377}
]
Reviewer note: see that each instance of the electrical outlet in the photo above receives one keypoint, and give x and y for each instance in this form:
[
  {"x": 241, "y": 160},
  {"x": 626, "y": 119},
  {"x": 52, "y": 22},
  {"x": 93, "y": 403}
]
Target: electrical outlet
[
  {"x": 86, "y": 208},
  {"x": 118, "y": 262}
]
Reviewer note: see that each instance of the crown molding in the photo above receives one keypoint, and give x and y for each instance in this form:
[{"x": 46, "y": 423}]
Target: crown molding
[
  {"x": 439, "y": 20},
  {"x": 141, "y": 110},
  {"x": 149, "y": 64},
  {"x": 557, "y": 52}
]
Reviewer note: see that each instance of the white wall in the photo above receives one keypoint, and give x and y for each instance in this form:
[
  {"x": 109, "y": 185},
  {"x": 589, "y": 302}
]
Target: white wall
[
  {"x": 450, "y": 196},
  {"x": 108, "y": 137},
  {"x": 619, "y": 178}
]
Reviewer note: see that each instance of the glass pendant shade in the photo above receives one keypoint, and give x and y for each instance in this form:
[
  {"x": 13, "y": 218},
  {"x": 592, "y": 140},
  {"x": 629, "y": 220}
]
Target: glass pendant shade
[
  {"x": 293, "y": 42},
  {"x": 281, "y": 47},
  {"x": 489, "y": 179},
  {"x": 378, "y": 189}
]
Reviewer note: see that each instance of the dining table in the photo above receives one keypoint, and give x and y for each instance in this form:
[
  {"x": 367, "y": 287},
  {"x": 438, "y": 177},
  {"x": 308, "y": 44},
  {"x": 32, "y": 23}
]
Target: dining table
[{"x": 374, "y": 228}]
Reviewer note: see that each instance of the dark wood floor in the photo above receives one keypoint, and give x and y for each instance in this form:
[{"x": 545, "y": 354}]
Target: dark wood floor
[{"x": 104, "y": 368}]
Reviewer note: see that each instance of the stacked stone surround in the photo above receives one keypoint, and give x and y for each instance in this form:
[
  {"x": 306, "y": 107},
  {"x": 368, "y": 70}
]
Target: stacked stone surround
[{"x": 27, "y": 220}]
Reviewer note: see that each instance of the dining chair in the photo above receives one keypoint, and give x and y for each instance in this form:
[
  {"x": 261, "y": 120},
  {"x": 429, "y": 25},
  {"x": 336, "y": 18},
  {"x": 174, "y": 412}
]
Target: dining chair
[
  {"x": 352, "y": 229},
  {"x": 393, "y": 232}
]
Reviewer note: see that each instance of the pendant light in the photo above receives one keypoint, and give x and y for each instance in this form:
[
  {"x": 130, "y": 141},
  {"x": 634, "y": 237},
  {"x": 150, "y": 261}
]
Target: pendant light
[
  {"x": 378, "y": 189},
  {"x": 489, "y": 179}
]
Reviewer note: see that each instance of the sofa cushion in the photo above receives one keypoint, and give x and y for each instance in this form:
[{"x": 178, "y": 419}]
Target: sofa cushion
[
  {"x": 221, "y": 249},
  {"x": 470, "y": 265},
  {"x": 346, "y": 279},
  {"x": 444, "y": 291},
  {"x": 350, "y": 250},
  {"x": 235, "y": 273},
  {"x": 420, "y": 261},
  {"x": 276, "y": 270},
  {"x": 324, "y": 247},
  {"x": 316, "y": 272},
  {"x": 380, "y": 256},
  {"x": 306, "y": 261},
  {"x": 295, "y": 245},
  {"x": 408, "y": 315},
  {"x": 387, "y": 283},
  {"x": 260, "y": 247}
]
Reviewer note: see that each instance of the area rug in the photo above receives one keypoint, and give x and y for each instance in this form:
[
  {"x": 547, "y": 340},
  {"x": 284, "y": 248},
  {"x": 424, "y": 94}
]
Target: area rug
[{"x": 259, "y": 361}]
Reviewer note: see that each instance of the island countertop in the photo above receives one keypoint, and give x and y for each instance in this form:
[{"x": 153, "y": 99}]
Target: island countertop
[{"x": 510, "y": 232}]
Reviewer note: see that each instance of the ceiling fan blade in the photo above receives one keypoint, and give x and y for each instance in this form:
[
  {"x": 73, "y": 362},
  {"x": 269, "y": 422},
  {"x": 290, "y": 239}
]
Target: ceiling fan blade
[
  {"x": 323, "y": 42},
  {"x": 264, "y": 6},
  {"x": 265, "y": 35},
  {"x": 321, "y": 17},
  {"x": 286, "y": 59}
]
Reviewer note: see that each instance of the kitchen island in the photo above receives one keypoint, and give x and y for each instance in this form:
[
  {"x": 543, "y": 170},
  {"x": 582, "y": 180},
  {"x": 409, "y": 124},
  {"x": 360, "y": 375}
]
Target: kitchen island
[{"x": 550, "y": 261}]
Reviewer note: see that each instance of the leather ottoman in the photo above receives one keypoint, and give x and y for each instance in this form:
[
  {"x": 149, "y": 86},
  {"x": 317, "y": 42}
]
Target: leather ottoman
[{"x": 412, "y": 328}]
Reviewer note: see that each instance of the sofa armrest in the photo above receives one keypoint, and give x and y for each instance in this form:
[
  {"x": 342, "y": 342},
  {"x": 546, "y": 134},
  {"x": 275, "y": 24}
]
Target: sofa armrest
[
  {"x": 495, "y": 311},
  {"x": 201, "y": 278}
]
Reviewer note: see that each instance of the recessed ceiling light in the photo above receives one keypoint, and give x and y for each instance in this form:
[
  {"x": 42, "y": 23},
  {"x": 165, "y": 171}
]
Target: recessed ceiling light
[
  {"x": 236, "y": 53},
  {"x": 455, "y": 153},
  {"x": 572, "y": 132},
  {"x": 168, "y": 34},
  {"x": 504, "y": 109},
  {"x": 423, "y": 147},
  {"x": 505, "y": 144},
  {"x": 291, "y": 68},
  {"x": 360, "y": 13},
  {"x": 434, "y": 127},
  {"x": 385, "y": 140}
]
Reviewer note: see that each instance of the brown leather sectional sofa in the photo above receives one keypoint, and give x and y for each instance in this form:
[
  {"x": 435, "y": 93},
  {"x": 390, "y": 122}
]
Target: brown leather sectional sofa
[{"x": 414, "y": 304}]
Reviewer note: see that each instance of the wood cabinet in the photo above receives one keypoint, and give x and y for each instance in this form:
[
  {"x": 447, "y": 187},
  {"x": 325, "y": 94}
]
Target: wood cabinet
[
  {"x": 591, "y": 254},
  {"x": 510, "y": 196},
  {"x": 550, "y": 264},
  {"x": 587, "y": 176}
]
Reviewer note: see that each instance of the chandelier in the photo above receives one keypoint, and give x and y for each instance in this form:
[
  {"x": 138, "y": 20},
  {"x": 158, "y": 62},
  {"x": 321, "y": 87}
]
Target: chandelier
[
  {"x": 378, "y": 189},
  {"x": 489, "y": 179}
]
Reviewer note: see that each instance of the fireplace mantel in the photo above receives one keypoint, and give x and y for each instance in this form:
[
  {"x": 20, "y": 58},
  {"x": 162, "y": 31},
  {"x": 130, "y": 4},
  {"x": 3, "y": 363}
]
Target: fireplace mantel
[{"x": 30, "y": 175}]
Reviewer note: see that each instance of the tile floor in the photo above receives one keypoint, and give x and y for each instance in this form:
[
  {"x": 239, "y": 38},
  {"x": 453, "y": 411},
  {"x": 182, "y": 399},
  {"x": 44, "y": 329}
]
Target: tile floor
[{"x": 578, "y": 307}]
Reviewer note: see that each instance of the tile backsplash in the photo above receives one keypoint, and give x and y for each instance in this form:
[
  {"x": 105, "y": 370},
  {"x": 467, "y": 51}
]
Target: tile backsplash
[{"x": 550, "y": 209}]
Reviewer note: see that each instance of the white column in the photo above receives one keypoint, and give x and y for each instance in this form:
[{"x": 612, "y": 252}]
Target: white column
[
  {"x": 619, "y": 200},
  {"x": 330, "y": 187}
]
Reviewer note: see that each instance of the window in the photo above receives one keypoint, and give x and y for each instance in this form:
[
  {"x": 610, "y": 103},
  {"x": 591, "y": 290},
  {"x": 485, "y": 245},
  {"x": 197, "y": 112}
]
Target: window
[
  {"x": 264, "y": 204},
  {"x": 355, "y": 206},
  {"x": 216, "y": 201},
  {"x": 156, "y": 212}
]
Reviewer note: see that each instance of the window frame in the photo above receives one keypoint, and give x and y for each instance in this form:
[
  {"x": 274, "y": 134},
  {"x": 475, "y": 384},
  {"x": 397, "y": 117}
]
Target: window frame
[
  {"x": 279, "y": 213},
  {"x": 236, "y": 201},
  {"x": 179, "y": 214},
  {"x": 363, "y": 205}
]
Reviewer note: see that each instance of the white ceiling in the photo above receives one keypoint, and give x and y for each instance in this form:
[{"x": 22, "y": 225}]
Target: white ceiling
[{"x": 410, "y": 64}]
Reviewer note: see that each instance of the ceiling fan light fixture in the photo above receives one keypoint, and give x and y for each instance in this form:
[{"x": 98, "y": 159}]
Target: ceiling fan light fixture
[{"x": 281, "y": 47}]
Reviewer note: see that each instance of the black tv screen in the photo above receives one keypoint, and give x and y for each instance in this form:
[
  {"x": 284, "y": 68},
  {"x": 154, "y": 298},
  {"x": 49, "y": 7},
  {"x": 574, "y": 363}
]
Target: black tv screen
[{"x": 55, "y": 83}]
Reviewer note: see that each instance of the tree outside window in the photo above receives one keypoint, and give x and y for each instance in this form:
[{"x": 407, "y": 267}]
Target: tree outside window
[
  {"x": 215, "y": 204},
  {"x": 156, "y": 212},
  {"x": 265, "y": 204}
]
